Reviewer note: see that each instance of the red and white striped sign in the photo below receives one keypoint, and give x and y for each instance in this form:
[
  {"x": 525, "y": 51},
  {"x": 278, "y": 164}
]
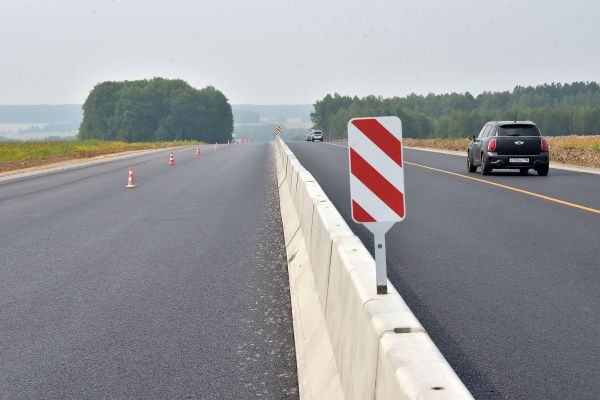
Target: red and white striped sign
[
  {"x": 278, "y": 130},
  {"x": 376, "y": 170}
]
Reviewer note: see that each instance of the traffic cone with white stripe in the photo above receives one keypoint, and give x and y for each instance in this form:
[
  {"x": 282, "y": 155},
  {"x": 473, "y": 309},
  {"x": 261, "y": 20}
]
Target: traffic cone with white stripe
[
  {"x": 216, "y": 146},
  {"x": 198, "y": 151},
  {"x": 130, "y": 182},
  {"x": 171, "y": 159}
]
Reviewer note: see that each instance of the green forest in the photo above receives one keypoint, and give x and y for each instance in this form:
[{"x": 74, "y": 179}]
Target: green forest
[
  {"x": 558, "y": 109},
  {"x": 156, "y": 109}
]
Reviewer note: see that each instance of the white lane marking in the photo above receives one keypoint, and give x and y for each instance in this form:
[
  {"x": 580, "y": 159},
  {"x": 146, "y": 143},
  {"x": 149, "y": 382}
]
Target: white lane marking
[
  {"x": 533, "y": 194},
  {"x": 337, "y": 145},
  {"x": 76, "y": 163},
  {"x": 563, "y": 167}
]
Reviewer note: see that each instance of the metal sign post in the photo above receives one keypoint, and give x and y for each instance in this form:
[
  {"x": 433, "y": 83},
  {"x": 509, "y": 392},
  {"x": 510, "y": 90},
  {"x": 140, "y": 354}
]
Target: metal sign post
[
  {"x": 377, "y": 181},
  {"x": 379, "y": 230}
]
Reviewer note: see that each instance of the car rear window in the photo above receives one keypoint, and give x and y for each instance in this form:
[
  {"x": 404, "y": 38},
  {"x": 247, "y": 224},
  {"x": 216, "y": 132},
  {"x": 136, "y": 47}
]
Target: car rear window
[{"x": 518, "y": 130}]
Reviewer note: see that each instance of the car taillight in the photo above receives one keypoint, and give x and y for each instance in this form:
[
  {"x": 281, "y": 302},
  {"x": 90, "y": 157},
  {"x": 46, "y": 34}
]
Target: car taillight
[
  {"x": 492, "y": 145},
  {"x": 544, "y": 145}
]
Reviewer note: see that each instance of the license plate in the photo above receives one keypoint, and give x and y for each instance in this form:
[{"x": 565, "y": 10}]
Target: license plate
[{"x": 519, "y": 160}]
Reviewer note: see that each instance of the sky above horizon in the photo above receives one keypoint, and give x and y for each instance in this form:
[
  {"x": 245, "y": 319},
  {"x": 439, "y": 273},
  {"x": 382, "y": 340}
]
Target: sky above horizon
[{"x": 294, "y": 52}]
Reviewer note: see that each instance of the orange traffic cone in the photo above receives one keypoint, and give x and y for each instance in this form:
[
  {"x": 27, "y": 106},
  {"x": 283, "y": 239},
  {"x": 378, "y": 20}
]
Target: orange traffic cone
[
  {"x": 171, "y": 159},
  {"x": 130, "y": 182},
  {"x": 198, "y": 150}
]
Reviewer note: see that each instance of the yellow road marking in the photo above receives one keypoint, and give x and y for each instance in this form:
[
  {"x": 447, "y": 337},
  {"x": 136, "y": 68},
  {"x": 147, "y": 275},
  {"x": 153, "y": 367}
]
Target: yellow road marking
[{"x": 541, "y": 196}]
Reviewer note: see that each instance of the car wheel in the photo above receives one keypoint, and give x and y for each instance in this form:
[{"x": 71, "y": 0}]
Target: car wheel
[
  {"x": 543, "y": 171},
  {"x": 485, "y": 168},
  {"x": 523, "y": 171},
  {"x": 470, "y": 166}
]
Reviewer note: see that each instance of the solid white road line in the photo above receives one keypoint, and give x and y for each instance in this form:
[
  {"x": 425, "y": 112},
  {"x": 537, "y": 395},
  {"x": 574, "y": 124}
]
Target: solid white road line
[{"x": 564, "y": 167}]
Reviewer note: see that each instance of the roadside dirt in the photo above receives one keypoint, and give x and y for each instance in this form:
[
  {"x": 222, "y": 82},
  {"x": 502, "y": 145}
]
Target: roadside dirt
[
  {"x": 561, "y": 150},
  {"x": 13, "y": 167}
]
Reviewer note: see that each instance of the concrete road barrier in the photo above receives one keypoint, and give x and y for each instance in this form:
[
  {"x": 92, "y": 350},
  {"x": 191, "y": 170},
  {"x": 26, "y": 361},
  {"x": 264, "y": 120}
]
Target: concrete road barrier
[{"x": 350, "y": 342}]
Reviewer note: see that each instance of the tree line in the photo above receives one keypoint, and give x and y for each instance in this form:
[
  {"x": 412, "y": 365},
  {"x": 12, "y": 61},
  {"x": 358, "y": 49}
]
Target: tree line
[
  {"x": 156, "y": 109},
  {"x": 558, "y": 109}
]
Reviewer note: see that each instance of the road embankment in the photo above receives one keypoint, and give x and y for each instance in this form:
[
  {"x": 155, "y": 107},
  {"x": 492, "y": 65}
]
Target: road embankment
[
  {"x": 579, "y": 151},
  {"x": 350, "y": 342},
  {"x": 571, "y": 153},
  {"x": 78, "y": 163},
  {"x": 19, "y": 156}
]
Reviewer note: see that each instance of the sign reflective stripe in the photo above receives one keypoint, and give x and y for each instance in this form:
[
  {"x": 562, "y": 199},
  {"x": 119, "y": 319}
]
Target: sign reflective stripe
[
  {"x": 376, "y": 173},
  {"x": 377, "y": 159},
  {"x": 359, "y": 214},
  {"x": 380, "y": 186},
  {"x": 373, "y": 205},
  {"x": 383, "y": 138}
]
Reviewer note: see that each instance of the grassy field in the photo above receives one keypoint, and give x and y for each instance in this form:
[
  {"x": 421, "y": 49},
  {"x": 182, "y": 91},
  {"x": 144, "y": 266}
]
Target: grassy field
[
  {"x": 17, "y": 155},
  {"x": 574, "y": 150}
]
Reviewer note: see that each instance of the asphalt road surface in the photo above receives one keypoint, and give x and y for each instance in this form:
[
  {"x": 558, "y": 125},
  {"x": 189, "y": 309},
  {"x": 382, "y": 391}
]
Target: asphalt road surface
[
  {"x": 507, "y": 284},
  {"x": 176, "y": 289}
]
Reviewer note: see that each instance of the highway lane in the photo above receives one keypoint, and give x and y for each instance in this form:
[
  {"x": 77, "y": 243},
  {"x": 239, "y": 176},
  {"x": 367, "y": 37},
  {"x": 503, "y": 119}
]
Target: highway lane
[
  {"x": 174, "y": 289},
  {"x": 507, "y": 284}
]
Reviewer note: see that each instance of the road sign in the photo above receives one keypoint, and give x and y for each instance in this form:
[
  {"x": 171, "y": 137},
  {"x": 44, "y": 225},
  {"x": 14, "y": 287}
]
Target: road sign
[
  {"x": 278, "y": 130},
  {"x": 377, "y": 181}
]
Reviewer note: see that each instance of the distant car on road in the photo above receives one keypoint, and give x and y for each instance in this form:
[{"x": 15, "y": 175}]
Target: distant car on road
[
  {"x": 509, "y": 145},
  {"x": 308, "y": 136},
  {"x": 317, "y": 136}
]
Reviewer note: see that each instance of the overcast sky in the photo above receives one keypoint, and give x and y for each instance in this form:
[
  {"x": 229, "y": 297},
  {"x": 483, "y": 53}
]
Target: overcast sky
[{"x": 290, "y": 52}]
